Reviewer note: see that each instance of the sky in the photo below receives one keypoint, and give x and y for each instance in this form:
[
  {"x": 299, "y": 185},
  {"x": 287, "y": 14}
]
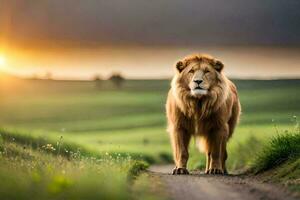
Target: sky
[{"x": 79, "y": 38}]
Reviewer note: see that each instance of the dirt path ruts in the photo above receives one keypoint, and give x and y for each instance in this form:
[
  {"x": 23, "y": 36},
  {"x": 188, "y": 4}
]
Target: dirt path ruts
[{"x": 214, "y": 187}]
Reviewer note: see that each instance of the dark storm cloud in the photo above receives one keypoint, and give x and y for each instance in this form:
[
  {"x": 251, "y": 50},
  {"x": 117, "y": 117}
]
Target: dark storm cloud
[{"x": 175, "y": 22}]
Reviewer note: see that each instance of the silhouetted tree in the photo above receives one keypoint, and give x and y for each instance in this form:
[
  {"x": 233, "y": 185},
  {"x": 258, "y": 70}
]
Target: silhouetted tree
[
  {"x": 117, "y": 79},
  {"x": 98, "y": 80}
]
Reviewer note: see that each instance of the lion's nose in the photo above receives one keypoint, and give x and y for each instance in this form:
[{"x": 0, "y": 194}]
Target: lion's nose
[{"x": 198, "y": 81}]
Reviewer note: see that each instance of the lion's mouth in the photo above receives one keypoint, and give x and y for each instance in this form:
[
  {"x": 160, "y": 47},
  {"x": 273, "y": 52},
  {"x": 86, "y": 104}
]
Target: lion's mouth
[
  {"x": 199, "y": 91},
  {"x": 199, "y": 88}
]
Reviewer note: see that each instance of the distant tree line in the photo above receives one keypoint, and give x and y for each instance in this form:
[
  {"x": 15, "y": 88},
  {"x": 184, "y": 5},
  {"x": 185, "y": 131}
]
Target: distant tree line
[{"x": 115, "y": 78}]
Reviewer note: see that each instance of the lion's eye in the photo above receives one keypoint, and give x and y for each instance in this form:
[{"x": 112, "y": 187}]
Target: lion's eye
[
  {"x": 206, "y": 71},
  {"x": 191, "y": 71}
]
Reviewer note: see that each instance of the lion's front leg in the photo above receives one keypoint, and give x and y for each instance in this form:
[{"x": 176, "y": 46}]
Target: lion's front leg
[
  {"x": 215, "y": 166},
  {"x": 180, "y": 142},
  {"x": 216, "y": 142}
]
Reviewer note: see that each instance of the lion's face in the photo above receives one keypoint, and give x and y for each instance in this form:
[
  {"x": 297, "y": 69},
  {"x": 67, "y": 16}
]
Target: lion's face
[
  {"x": 199, "y": 74},
  {"x": 200, "y": 77}
]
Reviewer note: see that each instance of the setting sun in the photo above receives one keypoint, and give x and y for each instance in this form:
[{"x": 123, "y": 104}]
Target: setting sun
[{"x": 2, "y": 60}]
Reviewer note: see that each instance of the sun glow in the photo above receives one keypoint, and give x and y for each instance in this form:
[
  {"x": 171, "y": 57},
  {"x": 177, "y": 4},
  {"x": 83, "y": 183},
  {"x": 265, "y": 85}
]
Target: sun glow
[{"x": 2, "y": 61}]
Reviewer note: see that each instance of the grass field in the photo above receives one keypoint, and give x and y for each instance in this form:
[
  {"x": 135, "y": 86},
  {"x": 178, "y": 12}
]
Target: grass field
[
  {"x": 132, "y": 120},
  {"x": 127, "y": 124}
]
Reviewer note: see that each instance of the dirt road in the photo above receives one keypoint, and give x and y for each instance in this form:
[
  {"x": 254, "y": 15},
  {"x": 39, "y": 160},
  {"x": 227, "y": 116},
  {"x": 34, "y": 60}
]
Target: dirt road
[{"x": 215, "y": 187}]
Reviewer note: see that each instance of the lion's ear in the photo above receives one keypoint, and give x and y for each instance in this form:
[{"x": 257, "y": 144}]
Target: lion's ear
[
  {"x": 180, "y": 66},
  {"x": 218, "y": 65}
]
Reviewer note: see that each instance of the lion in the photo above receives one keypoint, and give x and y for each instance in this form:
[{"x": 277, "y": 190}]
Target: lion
[{"x": 202, "y": 103}]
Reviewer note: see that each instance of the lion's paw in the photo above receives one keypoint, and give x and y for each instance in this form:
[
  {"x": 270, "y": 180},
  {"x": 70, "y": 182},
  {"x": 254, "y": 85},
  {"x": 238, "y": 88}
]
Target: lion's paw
[
  {"x": 178, "y": 171},
  {"x": 214, "y": 171}
]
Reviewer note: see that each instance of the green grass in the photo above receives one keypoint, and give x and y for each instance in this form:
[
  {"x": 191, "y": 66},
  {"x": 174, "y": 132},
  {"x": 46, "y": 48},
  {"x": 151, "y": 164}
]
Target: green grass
[
  {"x": 44, "y": 172},
  {"x": 279, "y": 160},
  {"x": 77, "y": 116},
  {"x": 280, "y": 149},
  {"x": 132, "y": 120}
]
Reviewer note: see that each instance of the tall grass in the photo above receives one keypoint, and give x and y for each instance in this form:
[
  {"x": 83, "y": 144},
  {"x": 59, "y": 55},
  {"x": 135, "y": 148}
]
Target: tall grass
[
  {"x": 28, "y": 173},
  {"x": 280, "y": 149}
]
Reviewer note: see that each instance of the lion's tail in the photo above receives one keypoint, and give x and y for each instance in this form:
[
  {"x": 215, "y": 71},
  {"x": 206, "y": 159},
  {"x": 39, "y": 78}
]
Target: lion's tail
[{"x": 201, "y": 144}]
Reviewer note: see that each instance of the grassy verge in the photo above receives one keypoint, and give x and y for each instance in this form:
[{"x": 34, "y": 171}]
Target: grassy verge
[
  {"x": 42, "y": 173},
  {"x": 279, "y": 161},
  {"x": 65, "y": 144},
  {"x": 281, "y": 149}
]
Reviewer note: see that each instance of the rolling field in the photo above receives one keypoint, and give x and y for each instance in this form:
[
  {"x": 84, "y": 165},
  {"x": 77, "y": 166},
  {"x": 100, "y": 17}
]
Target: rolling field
[
  {"x": 100, "y": 122},
  {"x": 132, "y": 119}
]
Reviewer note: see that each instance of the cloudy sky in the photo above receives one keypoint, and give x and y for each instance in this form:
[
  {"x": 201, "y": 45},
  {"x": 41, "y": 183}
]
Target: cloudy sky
[
  {"x": 212, "y": 22},
  {"x": 117, "y": 25}
]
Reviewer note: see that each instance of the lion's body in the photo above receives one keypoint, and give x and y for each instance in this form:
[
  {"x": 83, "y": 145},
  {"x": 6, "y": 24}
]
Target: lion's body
[{"x": 211, "y": 118}]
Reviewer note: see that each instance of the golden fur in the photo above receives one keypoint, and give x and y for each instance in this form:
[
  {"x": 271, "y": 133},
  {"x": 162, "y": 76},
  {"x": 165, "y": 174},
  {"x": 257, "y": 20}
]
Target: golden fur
[{"x": 202, "y": 103}]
